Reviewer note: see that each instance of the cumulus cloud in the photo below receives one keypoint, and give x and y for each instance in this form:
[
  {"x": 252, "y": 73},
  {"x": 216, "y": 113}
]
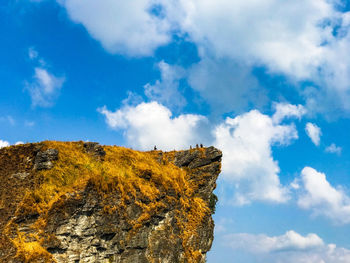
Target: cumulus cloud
[
  {"x": 265, "y": 244},
  {"x": 335, "y": 72},
  {"x": 314, "y": 132},
  {"x": 289, "y": 248},
  {"x": 44, "y": 88},
  {"x": 247, "y": 34},
  {"x": 333, "y": 149},
  {"x": 318, "y": 195},
  {"x": 286, "y": 110},
  {"x": 126, "y": 27},
  {"x": 274, "y": 38},
  {"x": 149, "y": 124},
  {"x": 4, "y": 144},
  {"x": 165, "y": 90},
  {"x": 264, "y": 33},
  {"x": 246, "y": 142}
]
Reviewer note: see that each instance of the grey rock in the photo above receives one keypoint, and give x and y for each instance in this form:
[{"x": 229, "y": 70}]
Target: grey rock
[
  {"x": 197, "y": 157},
  {"x": 95, "y": 149},
  {"x": 20, "y": 176},
  {"x": 44, "y": 159},
  {"x": 185, "y": 158}
]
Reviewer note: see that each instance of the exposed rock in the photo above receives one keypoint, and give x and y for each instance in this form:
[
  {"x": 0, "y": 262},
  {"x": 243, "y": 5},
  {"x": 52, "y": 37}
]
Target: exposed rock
[
  {"x": 103, "y": 220},
  {"x": 95, "y": 149},
  {"x": 43, "y": 160},
  {"x": 20, "y": 176},
  {"x": 198, "y": 157}
]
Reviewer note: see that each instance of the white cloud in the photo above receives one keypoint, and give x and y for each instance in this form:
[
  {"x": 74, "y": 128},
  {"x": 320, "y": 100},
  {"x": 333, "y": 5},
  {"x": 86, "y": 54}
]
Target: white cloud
[
  {"x": 288, "y": 248},
  {"x": 334, "y": 149},
  {"x": 4, "y": 144},
  {"x": 315, "y": 48},
  {"x": 265, "y": 244},
  {"x": 286, "y": 110},
  {"x": 261, "y": 32},
  {"x": 258, "y": 32},
  {"x": 318, "y": 195},
  {"x": 246, "y": 142},
  {"x": 149, "y": 124},
  {"x": 44, "y": 88},
  {"x": 335, "y": 72},
  {"x": 249, "y": 33},
  {"x": 265, "y": 33},
  {"x": 126, "y": 27},
  {"x": 314, "y": 132},
  {"x": 165, "y": 91},
  {"x": 32, "y": 53}
]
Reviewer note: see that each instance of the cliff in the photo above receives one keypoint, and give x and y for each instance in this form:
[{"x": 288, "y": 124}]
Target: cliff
[{"x": 82, "y": 202}]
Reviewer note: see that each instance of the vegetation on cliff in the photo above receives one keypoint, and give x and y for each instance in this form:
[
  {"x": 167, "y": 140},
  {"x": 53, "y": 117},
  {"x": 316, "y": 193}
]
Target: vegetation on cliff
[{"x": 119, "y": 177}]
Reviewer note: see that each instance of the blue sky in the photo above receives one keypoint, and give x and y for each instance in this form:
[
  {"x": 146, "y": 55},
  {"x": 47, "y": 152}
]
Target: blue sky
[{"x": 267, "y": 82}]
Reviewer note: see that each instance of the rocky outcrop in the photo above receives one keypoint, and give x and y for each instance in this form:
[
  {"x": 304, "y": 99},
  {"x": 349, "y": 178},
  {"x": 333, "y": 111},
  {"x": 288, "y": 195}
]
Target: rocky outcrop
[
  {"x": 95, "y": 149},
  {"x": 125, "y": 207},
  {"x": 44, "y": 159}
]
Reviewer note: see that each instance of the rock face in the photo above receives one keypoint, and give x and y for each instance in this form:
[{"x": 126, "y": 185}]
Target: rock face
[
  {"x": 43, "y": 160},
  {"x": 95, "y": 149},
  {"x": 127, "y": 207}
]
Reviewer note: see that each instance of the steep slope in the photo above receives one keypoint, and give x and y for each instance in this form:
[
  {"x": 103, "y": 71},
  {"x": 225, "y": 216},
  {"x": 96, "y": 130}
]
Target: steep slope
[{"x": 81, "y": 202}]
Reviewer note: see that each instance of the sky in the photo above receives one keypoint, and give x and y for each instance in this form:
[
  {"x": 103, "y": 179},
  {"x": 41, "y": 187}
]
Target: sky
[{"x": 267, "y": 82}]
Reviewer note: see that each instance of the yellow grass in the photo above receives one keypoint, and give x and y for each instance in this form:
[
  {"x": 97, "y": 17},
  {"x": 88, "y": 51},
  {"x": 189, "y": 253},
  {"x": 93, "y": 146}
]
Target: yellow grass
[
  {"x": 120, "y": 172},
  {"x": 30, "y": 251}
]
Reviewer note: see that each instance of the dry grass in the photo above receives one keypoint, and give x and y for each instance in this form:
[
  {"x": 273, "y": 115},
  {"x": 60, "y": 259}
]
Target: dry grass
[
  {"x": 131, "y": 174},
  {"x": 30, "y": 251}
]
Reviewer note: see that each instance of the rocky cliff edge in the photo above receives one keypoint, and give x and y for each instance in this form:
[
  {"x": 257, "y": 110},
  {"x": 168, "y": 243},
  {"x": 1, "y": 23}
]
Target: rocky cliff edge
[{"x": 82, "y": 202}]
